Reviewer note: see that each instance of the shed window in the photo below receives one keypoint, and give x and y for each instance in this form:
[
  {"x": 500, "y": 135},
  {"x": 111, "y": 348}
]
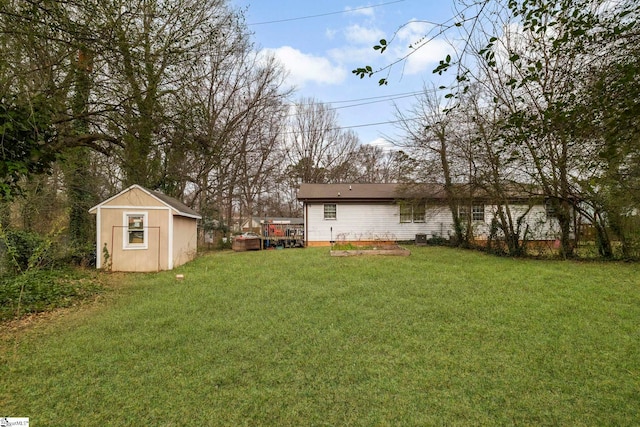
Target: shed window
[
  {"x": 330, "y": 211},
  {"x": 135, "y": 230}
]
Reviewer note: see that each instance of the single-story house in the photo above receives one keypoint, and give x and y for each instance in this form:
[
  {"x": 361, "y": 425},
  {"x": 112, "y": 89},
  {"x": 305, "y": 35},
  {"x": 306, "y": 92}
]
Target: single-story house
[
  {"x": 144, "y": 230},
  {"x": 398, "y": 212}
]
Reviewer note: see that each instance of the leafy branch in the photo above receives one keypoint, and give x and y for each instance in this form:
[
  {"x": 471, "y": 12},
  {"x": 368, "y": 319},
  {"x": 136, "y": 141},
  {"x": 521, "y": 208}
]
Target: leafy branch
[{"x": 456, "y": 21}]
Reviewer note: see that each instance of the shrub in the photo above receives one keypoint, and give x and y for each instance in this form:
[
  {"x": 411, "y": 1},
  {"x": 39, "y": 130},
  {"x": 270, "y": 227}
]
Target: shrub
[
  {"x": 81, "y": 255},
  {"x": 438, "y": 241},
  {"x": 224, "y": 243},
  {"x": 39, "y": 290},
  {"x": 22, "y": 250}
]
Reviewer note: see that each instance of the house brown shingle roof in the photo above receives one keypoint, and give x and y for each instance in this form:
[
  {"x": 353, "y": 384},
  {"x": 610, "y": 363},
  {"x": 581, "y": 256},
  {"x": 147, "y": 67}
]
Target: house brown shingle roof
[
  {"x": 362, "y": 192},
  {"x": 391, "y": 192}
]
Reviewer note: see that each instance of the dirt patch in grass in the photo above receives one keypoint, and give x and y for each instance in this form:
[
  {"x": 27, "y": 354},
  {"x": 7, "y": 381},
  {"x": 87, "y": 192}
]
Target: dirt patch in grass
[{"x": 390, "y": 250}]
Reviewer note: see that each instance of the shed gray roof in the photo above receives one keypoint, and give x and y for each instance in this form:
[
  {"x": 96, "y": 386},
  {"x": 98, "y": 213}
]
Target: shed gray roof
[{"x": 174, "y": 203}]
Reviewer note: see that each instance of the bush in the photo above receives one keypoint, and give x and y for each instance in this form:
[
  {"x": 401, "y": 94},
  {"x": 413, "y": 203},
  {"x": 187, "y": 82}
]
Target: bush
[
  {"x": 224, "y": 243},
  {"x": 20, "y": 247},
  {"x": 438, "y": 241},
  {"x": 80, "y": 255},
  {"x": 38, "y": 290}
]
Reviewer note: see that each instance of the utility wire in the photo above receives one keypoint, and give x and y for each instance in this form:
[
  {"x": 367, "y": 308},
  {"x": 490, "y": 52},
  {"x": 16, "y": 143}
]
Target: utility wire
[
  {"x": 383, "y": 97},
  {"x": 388, "y": 122},
  {"x": 372, "y": 102},
  {"x": 357, "y": 103},
  {"x": 366, "y": 101},
  {"x": 326, "y": 14}
]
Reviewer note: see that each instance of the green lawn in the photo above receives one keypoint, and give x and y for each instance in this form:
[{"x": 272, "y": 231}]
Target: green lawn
[{"x": 296, "y": 337}]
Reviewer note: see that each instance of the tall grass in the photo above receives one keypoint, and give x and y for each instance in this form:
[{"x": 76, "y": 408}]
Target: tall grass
[{"x": 296, "y": 337}]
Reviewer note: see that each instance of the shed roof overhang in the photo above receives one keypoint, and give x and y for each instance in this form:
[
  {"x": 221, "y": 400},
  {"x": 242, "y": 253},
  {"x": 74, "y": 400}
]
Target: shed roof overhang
[{"x": 176, "y": 206}]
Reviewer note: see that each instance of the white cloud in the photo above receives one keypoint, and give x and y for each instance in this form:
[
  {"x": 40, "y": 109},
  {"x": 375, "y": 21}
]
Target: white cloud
[
  {"x": 330, "y": 33},
  {"x": 304, "y": 68},
  {"x": 359, "y": 45},
  {"x": 425, "y": 57},
  {"x": 383, "y": 143},
  {"x": 413, "y": 31},
  {"x": 414, "y": 41},
  {"x": 360, "y": 35},
  {"x": 353, "y": 55}
]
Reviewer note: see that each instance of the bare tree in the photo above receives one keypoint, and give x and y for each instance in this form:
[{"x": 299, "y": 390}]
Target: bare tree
[
  {"x": 235, "y": 118},
  {"x": 318, "y": 150},
  {"x": 374, "y": 164},
  {"x": 434, "y": 138}
]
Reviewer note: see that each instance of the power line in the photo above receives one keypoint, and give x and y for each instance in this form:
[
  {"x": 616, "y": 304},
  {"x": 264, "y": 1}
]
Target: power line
[
  {"x": 326, "y": 14},
  {"x": 391, "y": 96},
  {"x": 366, "y": 101},
  {"x": 388, "y": 122},
  {"x": 373, "y": 102}
]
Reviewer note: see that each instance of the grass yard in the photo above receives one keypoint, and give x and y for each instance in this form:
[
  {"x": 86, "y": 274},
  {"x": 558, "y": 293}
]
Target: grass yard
[{"x": 296, "y": 337}]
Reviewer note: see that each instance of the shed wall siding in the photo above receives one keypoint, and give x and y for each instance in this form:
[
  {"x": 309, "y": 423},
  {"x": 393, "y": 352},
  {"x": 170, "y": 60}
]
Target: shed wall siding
[
  {"x": 134, "y": 197},
  {"x": 185, "y": 240},
  {"x": 151, "y": 259}
]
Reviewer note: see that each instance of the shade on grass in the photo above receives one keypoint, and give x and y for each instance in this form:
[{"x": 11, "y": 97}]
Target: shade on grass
[{"x": 297, "y": 337}]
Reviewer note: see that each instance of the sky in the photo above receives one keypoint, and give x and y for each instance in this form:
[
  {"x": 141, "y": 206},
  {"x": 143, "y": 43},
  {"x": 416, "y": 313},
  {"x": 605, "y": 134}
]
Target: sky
[{"x": 321, "y": 42}]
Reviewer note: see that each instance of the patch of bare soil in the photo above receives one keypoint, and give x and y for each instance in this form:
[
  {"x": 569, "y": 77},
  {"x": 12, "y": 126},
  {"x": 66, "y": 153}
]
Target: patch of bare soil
[{"x": 389, "y": 250}]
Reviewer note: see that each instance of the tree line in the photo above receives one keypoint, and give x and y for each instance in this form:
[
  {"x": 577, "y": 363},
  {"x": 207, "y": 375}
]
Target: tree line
[
  {"x": 174, "y": 96},
  {"x": 544, "y": 103}
]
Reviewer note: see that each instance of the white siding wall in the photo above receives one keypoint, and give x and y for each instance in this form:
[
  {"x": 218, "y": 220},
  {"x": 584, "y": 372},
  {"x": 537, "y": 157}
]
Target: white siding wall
[
  {"x": 540, "y": 227},
  {"x": 381, "y": 221},
  {"x": 375, "y": 221}
]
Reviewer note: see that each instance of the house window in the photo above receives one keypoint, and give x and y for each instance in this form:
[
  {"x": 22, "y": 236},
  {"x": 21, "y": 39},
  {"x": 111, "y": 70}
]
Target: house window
[
  {"x": 330, "y": 211},
  {"x": 135, "y": 230},
  {"x": 550, "y": 208},
  {"x": 419, "y": 212},
  {"x": 477, "y": 212},
  {"x": 412, "y": 212},
  {"x": 406, "y": 213}
]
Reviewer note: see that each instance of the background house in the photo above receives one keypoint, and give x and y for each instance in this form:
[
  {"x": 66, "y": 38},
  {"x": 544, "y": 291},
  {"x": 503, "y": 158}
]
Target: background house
[
  {"x": 368, "y": 213},
  {"x": 143, "y": 230}
]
